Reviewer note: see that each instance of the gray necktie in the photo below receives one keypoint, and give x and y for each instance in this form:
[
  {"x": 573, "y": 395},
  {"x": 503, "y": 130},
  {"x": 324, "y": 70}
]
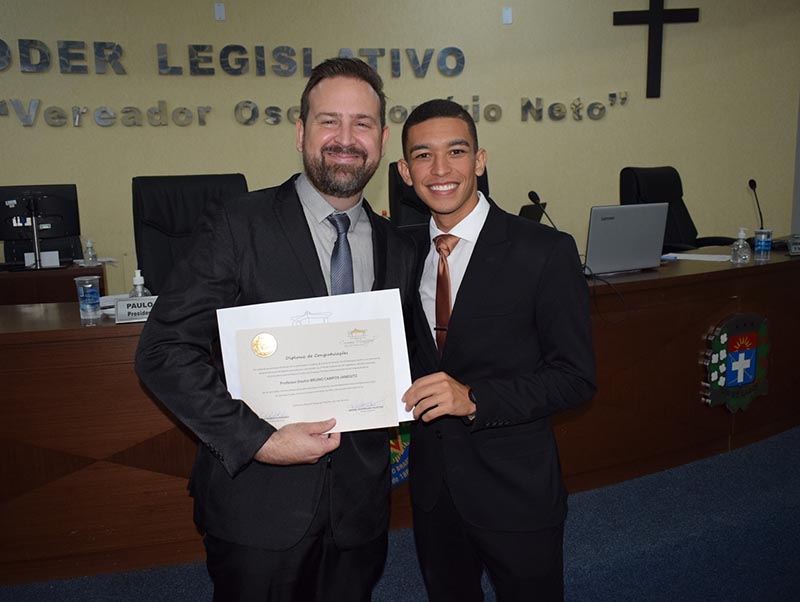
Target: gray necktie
[{"x": 341, "y": 259}]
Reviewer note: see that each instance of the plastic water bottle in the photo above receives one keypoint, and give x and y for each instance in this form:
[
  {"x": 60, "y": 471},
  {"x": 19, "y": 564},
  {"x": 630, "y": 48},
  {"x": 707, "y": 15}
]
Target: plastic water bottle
[
  {"x": 740, "y": 250},
  {"x": 90, "y": 256},
  {"x": 138, "y": 289}
]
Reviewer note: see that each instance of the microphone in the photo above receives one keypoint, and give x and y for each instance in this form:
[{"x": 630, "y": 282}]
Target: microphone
[
  {"x": 534, "y": 198},
  {"x": 752, "y": 185}
]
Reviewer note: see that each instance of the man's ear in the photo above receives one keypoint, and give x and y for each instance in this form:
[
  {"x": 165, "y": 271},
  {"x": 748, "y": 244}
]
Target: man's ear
[
  {"x": 298, "y": 128},
  {"x": 384, "y": 138},
  {"x": 402, "y": 167},
  {"x": 480, "y": 162}
]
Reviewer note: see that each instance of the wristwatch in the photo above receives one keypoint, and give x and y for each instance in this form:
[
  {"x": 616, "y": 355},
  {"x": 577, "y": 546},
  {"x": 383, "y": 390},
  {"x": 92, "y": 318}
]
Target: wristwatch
[{"x": 470, "y": 418}]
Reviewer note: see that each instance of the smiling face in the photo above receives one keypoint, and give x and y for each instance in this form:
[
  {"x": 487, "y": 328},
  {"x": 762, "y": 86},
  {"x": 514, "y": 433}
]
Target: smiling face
[
  {"x": 342, "y": 139},
  {"x": 443, "y": 165}
]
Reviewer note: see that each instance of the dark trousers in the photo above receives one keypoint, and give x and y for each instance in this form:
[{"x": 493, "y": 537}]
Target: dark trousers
[
  {"x": 522, "y": 566},
  {"x": 313, "y": 570}
]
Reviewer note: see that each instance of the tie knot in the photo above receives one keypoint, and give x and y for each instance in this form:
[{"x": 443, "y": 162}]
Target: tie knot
[
  {"x": 340, "y": 221},
  {"x": 445, "y": 243}
]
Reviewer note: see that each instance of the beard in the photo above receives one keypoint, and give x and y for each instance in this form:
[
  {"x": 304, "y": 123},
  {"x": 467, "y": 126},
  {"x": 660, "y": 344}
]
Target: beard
[{"x": 340, "y": 181}]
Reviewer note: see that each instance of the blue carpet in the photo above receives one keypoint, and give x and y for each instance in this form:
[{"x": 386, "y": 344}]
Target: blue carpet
[{"x": 722, "y": 529}]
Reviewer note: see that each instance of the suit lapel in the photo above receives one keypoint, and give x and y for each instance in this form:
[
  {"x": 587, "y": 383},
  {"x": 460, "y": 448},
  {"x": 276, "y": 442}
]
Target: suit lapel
[
  {"x": 292, "y": 220},
  {"x": 379, "y": 243},
  {"x": 425, "y": 344},
  {"x": 487, "y": 259}
]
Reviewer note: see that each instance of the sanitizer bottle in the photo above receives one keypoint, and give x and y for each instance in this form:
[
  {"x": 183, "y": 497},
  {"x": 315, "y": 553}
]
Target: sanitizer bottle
[
  {"x": 138, "y": 289},
  {"x": 90, "y": 256},
  {"x": 740, "y": 250}
]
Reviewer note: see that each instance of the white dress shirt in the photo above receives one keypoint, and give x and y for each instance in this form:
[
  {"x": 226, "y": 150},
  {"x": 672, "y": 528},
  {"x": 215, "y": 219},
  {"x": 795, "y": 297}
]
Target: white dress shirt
[
  {"x": 467, "y": 230},
  {"x": 323, "y": 232}
]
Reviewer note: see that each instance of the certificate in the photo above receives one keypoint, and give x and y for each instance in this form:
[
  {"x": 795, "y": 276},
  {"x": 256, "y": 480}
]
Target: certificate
[{"x": 342, "y": 356}]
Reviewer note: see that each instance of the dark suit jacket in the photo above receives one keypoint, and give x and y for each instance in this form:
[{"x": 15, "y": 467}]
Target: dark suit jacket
[
  {"x": 257, "y": 248},
  {"x": 520, "y": 336}
]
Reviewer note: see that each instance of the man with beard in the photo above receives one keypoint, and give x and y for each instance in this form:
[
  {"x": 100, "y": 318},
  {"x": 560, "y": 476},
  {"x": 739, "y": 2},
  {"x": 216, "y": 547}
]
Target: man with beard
[{"x": 290, "y": 513}]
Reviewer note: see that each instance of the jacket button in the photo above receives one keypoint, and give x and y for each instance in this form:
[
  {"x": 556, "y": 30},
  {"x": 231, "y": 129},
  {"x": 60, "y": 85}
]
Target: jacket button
[{"x": 438, "y": 434}]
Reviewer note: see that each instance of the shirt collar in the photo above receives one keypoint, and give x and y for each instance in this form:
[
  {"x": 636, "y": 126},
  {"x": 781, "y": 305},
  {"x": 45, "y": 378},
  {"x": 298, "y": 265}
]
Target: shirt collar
[
  {"x": 470, "y": 227},
  {"x": 318, "y": 207}
]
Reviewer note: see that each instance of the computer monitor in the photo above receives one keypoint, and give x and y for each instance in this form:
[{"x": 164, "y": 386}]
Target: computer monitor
[
  {"x": 55, "y": 207},
  {"x": 406, "y": 209}
]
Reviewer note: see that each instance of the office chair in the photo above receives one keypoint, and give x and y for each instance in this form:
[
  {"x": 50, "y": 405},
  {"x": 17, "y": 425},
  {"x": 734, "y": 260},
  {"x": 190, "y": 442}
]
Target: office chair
[
  {"x": 533, "y": 212},
  {"x": 406, "y": 209},
  {"x": 165, "y": 211},
  {"x": 663, "y": 185}
]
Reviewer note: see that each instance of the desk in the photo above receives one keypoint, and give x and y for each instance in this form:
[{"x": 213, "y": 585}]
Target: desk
[
  {"x": 48, "y": 285},
  {"x": 650, "y": 333},
  {"x": 94, "y": 472}
]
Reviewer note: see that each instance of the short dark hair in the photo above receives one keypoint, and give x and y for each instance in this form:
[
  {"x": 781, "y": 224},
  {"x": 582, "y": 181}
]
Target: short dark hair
[
  {"x": 438, "y": 107},
  {"x": 344, "y": 67}
]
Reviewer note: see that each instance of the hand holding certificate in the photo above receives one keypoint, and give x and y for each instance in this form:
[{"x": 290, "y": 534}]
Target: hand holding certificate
[{"x": 306, "y": 360}]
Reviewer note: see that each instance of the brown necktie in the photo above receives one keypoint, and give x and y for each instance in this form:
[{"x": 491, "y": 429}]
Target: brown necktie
[{"x": 445, "y": 243}]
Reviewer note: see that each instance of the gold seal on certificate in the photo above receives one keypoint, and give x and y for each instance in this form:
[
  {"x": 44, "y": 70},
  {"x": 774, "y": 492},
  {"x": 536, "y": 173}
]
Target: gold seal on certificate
[{"x": 264, "y": 344}]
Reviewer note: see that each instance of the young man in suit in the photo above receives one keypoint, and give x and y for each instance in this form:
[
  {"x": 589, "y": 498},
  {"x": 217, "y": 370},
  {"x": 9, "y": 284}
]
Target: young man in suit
[
  {"x": 291, "y": 513},
  {"x": 503, "y": 341}
]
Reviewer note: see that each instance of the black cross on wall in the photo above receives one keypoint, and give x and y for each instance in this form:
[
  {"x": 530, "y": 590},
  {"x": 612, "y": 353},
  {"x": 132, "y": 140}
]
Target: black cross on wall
[{"x": 655, "y": 18}]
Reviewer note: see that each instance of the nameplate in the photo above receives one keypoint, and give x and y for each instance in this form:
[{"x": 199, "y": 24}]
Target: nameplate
[{"x": 134, "y": 309}]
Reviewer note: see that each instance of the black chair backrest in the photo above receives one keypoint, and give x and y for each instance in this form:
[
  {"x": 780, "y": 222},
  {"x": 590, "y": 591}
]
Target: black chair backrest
[
  {"x": 533, "y": 212},
  {"x": 165, "y": 212},
  {"x": 660, "y": 185},
  {"x": 406, "y": 208}
]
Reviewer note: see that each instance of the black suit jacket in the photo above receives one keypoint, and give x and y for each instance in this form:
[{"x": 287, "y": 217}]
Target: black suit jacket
[
  {"x": 257, "y": 248},
  {"x": 520, "y": 336}
]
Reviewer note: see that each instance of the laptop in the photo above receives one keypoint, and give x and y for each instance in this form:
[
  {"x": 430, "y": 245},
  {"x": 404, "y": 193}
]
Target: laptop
[{"x": 625, "y": 238}]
